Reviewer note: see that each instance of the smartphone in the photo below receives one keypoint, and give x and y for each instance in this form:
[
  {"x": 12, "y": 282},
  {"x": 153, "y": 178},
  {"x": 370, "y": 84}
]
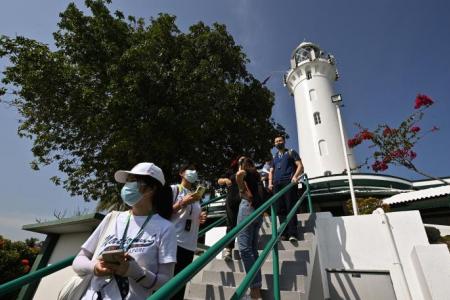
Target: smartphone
[
  {"x": 200, "y": 191},
  {"x": 187, "y": 225},
  {"x": 113, "y": 256}
]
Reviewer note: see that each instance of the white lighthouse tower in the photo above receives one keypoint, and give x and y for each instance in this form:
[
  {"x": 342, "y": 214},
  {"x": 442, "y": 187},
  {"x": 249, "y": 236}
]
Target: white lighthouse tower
[{"x": 310, "y": 79}]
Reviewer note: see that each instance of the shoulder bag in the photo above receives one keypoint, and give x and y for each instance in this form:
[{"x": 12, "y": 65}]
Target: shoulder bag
[{"x": 77, "y": 285}]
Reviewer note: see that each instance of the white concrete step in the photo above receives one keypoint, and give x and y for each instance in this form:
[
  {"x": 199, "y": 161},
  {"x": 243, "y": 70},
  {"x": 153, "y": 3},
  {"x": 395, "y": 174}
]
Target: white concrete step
[
  {"x": 209, "y": 291},
  {"x": 307, "y": 224},
  {"x": 304, "y": 219},
  {"x": 285, "y": 267},
  {"x": 287, "y": 283},
  {"x": 288, "y": 255},
  {"x": 287, "y": 245}
]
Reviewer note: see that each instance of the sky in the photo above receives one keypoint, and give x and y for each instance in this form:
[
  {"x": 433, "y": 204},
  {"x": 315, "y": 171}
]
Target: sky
[{"x": 386, "y": 52}]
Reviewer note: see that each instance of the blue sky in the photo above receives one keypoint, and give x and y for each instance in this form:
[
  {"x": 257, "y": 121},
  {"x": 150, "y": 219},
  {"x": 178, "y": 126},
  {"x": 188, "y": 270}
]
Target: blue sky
[{"x": 386, "y": 51}]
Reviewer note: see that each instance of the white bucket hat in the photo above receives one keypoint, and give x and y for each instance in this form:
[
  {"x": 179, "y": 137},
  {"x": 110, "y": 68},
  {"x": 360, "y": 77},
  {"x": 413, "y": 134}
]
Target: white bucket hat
[{"x": 144, "y": 168}]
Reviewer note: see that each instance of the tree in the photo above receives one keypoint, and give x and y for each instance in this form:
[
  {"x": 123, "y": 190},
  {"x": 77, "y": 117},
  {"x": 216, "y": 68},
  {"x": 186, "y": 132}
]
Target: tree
[
  {"x": 367, "y": 205},
  {"x": 16, "y": 259},
  {"x": 116, "y": 92},
  {"x": 395, "y": 145}
]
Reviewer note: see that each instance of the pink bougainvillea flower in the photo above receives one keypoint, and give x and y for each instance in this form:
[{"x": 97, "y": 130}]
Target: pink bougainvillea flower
[
  {"x": 366, "y": 135},
  {"x": 354, "y": 141},
  {"x": 396, "y": 154},
  {"x": 379, "y": 166},
  {"x": 389, "y": 131},
  {"x": 415, "y": 129},
  {"x": 387, "y": 159},
  {"x": 412, "y": 155},
  {"x": 422, "y": 100}
]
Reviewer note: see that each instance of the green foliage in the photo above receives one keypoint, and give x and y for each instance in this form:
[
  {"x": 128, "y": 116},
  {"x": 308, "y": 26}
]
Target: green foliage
[
  {"x": 117, "y": 91},
  {"x": 16, "y": 258},
  {"x": 367, "y": 205},
  {"x": 446, "y": 240},
  {"x": 434, "y": 236}
]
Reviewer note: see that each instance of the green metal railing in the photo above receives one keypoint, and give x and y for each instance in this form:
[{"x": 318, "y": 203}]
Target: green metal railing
[
  {"x": 213, "y": 200},
  {"x": 17, "y": 283},
  {"x": 240, "y": 291},
  {"x": 171, "y": 287},
  {"x": 216, "y": 223}
]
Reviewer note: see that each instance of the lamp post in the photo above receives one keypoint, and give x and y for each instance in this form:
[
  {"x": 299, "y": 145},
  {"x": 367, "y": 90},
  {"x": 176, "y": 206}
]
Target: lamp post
[{"x": 337, "y": 99}]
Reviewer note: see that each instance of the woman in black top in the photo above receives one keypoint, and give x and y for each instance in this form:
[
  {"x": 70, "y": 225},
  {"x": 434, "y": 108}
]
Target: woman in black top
[
  {"x": 247, "y": 179},
  {"x": 231, "y": 204}
]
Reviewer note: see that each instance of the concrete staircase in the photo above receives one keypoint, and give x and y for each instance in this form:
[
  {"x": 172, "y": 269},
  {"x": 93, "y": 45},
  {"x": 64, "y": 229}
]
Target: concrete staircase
[{"x": 219, "y": 278}]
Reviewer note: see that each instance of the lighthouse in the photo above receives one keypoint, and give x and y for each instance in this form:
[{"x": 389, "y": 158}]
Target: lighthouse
[{"x": 311, "y": 81}]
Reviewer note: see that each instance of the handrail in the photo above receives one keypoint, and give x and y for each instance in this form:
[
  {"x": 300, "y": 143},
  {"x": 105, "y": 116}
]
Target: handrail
[
  {"x": 269, "y": 246},
  {"x": 40, "y": 273},
  {"x": 212, "y": 200},
  {"x": 171, "y": 287},
  {"x": 212, "y": 225},
  {"x": 177, "y": 282}
]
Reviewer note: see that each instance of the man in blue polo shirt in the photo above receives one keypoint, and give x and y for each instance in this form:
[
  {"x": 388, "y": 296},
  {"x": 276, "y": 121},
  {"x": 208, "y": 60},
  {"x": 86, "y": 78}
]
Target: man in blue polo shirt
[{"x": 286, "y": 168}]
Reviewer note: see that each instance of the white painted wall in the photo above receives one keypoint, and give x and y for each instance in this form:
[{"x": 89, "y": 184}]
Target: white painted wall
[
  {"x": 432, "y": 264},
  {"x": 215, "y": 234},
  {"x": 67, "y": 245},
  {"x": 364, "y": 243}
]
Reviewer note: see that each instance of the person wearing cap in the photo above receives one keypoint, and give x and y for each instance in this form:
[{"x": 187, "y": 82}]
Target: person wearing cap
[
  {"x": 187, "y": 217},
  {"x": 144, "y": 233}
]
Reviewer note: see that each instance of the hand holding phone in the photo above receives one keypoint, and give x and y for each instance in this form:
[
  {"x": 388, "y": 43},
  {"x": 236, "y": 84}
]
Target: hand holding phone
[
  {"x": 113, "y": 256},
  {"x": 199, "y": 191}
]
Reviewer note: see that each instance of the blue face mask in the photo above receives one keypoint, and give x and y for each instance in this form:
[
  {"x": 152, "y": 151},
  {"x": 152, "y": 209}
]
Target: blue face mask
[
  {"x": 130, "y": 193},
  {"x": 191, "y": 176}
]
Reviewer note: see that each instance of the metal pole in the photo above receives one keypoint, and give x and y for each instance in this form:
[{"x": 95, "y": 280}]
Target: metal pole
[
  {"x": 347, "y": 165},
  {"x": 276, "y": 270},
  {"x": 308, "y": 194}
]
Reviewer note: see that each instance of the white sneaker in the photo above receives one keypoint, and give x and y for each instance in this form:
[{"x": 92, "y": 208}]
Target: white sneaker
[
  {"x": 226, "y": 255},
  {"x": 292, "y": 239}
]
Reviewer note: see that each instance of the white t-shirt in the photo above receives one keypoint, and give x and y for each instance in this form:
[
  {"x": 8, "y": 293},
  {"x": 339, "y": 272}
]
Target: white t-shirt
[
  {"x": 186, "y": 239},
  {"x": 156, "y": 245}
]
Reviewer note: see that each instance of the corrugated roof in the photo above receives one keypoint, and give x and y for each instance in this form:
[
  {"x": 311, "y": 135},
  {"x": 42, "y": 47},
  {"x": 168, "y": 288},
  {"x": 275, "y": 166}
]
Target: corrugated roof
[{"x": 418, "y": 195}]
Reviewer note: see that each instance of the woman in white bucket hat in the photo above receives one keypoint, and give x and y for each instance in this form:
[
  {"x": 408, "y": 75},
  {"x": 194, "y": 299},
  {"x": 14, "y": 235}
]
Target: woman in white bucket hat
[{"x": 143, "y": 237}]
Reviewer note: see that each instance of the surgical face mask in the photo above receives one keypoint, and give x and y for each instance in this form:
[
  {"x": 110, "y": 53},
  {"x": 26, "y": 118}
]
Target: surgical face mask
[
  {"x": 191, "y": 176},
  {"x": 130, "y": 193},
  {"x": 279, "y": 146}
]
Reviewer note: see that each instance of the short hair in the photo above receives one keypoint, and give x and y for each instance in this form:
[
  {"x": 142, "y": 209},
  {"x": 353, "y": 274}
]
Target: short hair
[
  {"x": 280, "y": 136},
  {"x": 187, "y": 166}
]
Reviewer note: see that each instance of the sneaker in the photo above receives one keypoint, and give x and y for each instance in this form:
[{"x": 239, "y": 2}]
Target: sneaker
[
  {"x": 226, "y": 255},
  {"x": 292, "y": 239},
  {"x": 284, "y": 238}
]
